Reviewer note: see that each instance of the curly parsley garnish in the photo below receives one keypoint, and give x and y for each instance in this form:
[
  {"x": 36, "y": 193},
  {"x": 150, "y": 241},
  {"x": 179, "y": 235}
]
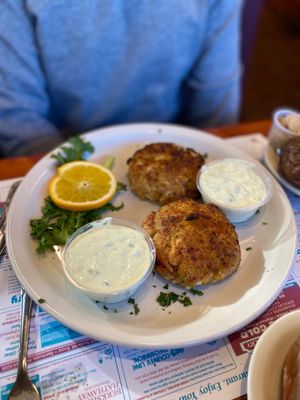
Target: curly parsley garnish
[
  {"x": 56, "y": 224},
  {"x": 78, "y": 149}
]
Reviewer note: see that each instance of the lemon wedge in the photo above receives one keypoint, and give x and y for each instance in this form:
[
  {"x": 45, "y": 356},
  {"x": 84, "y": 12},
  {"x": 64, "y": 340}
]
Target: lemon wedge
[{"x": 82, "y": 185}]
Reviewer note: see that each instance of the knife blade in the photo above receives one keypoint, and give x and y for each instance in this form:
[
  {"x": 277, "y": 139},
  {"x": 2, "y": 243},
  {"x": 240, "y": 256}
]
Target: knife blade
[{"x": 10, "y": 195}]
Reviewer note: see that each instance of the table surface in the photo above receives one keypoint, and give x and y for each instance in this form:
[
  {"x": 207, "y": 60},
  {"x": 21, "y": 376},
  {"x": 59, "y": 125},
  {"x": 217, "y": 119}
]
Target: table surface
[{"x": 18, "y": 166}]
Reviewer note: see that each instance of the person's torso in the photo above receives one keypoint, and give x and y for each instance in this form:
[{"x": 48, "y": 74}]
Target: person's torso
[{"x": 115, "y": 61}]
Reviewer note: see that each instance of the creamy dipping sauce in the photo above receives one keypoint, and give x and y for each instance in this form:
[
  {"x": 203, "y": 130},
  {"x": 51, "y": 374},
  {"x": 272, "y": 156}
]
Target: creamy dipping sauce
[
  {"x": 108, "y": 258},
  {"x": 232, "y": 183}
]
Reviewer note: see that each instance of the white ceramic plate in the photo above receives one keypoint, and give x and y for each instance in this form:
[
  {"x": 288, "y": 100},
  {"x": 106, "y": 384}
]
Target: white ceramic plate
[
  {"x": 271, "y": 160},
  {"x": 266, "y": 363},
  {"x": 223, "y": 308}
]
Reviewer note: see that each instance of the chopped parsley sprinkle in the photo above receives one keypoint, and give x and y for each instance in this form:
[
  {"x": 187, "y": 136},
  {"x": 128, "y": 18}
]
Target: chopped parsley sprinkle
[
  {"x": 166, "y": 299},
  {"x": 41, "y": 301},
  {"x": 265, "y": 223},
  {"x": 196, "y": 292},
  {"x": 105, "y": 308},
  {"x": 135, "y": 306},
  {"x": 186, "y": 301},
  {"x": 166, "y": 287},
  {"x": 136, "y": 309},
  {"x": 248, "y": 248}
]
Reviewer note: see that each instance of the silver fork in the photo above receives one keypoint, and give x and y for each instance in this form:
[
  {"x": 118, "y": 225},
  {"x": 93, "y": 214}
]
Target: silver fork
[
  {"x": 23, "y": 388},
  {"x": 10, "y": 195}
]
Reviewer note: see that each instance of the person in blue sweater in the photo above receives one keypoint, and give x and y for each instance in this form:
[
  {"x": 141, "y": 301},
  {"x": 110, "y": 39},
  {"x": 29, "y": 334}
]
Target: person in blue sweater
[{"x": 67, "y": 67}]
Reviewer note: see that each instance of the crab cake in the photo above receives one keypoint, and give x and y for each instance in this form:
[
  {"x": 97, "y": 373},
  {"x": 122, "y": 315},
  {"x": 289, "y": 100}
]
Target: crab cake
[
  {"x": 195, "y": 243},
  {"x": 164, "y": 172}
]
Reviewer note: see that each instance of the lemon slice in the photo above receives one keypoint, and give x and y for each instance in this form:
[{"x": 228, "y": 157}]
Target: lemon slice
[{"x": 82, "y": 185}]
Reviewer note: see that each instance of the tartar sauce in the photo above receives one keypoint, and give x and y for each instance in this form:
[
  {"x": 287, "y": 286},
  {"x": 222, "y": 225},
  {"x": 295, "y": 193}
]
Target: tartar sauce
[
  {"x": 233, "y": 183},
  {"x": 108, "y": 258}
]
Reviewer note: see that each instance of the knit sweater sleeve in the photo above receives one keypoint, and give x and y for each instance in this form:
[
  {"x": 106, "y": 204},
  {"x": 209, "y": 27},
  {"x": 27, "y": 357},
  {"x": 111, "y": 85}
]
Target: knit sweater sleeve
[
  {"x": 25, "y": 112},
  {"x": 212, "y": 90}
]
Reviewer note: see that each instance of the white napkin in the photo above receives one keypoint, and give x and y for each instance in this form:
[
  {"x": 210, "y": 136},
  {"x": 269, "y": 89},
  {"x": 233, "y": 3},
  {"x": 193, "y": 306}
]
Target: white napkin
[{"x": 252, "y": 144}]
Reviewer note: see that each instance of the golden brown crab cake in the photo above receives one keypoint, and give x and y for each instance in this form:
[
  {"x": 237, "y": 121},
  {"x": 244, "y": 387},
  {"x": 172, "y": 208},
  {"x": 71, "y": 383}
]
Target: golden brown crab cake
[
  {"x": 164, "y": 172},
  {"x": 195, "y": 243}
]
